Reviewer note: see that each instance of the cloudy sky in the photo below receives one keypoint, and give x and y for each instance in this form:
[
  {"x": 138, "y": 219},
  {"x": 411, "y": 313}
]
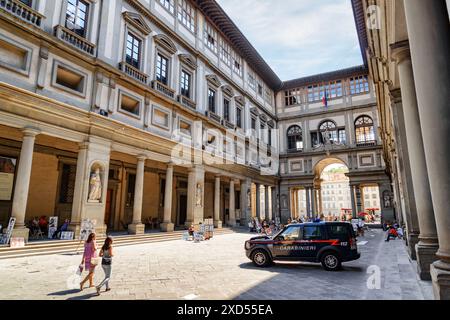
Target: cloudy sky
[{"x": 299, "y": 37}]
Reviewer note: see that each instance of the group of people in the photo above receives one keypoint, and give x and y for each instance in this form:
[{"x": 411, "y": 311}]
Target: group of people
[
  {"x": 394, "y": 231},
  {"x": 90, "y": 261},
  {"x": 41, "y": 224},
  {"x": 268, "y": 227}
]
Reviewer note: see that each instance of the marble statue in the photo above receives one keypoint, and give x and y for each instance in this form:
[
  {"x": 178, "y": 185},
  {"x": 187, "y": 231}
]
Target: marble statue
[{"x": 95, "y": 183}]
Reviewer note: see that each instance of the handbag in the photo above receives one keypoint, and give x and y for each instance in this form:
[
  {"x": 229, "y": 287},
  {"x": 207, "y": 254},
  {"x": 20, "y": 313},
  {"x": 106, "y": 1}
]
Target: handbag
[{"x": 95, "y": 261}]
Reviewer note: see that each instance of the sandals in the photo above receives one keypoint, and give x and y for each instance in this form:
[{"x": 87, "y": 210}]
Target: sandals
[{"x": 98, "y": 291}]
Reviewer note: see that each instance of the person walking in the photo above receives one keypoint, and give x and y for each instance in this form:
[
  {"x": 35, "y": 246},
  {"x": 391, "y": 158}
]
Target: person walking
[
  {"x": 106, "y": 253},
  {"x": 90, "y": 252}
]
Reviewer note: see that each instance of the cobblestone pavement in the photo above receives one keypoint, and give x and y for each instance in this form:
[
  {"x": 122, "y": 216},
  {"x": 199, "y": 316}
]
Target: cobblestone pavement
[{"x": 216, "y": 269}]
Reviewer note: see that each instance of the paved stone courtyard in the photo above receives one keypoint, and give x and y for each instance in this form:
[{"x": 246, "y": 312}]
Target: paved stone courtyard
[{"x": 217, "y": 269}]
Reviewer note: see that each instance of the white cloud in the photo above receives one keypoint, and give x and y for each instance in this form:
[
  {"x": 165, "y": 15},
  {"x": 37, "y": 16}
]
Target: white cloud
[{"x": 298, "y": 37}]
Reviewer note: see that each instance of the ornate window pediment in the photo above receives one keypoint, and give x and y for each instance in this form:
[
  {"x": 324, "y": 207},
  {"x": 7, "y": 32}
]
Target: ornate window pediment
[
  {"x": 228, "y": 90},
  {"x": 263, "y": 118},
  {"x": 240, "y": 100},
  {"x": 137, "y": 21},
  {"x": 254, "y": 111},
  {"x": 188, "y": 60},
  {"x": 213, "y": 80},
  {"x": 165, "y": 42}
]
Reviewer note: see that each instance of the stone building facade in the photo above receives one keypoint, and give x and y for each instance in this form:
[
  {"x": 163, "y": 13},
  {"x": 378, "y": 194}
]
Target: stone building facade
[
  {"x": 317, "y": 132},
  {"x": 406, "y": 46},
  {"x": 131, "y": 112}
]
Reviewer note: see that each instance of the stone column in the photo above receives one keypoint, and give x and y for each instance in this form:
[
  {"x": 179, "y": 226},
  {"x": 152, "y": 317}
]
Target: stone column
[
  {"x": 405, "y": 173},
  {"x": 217, "y": 222},
  {"x": 428, "y": 30},
  {"x": 308, "y": 202},
  {"x": 137, "y": 227},
  {"x": 78, "y": 196},
  {"x": 313, "y": 203},
  {"x": 258, "y": 201},
  {"x": 353, "y": 200},
  {"x": 22, "y": 184},
  {"x": 266, "y": 202},
  {"x": 232, "y": 208},
  {"x": 428, "y": 243},
  {"x": 167, "y": 225},
  {"x": 320, "y": 200},
  {"x": 246, "y": 202}
]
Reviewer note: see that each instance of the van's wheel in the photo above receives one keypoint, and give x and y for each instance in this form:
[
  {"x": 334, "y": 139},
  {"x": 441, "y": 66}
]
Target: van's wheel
[
  {"x": 261, "y": 259},
  {"x": 331, "y": 261}
]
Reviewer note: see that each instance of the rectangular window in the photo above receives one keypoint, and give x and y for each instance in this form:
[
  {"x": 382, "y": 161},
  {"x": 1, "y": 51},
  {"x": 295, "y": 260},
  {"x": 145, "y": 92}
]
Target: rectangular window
[
  {"x": 130, "y": 190},
  {"x": 211, "y": 100},
  {"x": 133, "y": 52},
  {"x": 69, "y": 79},
  {"x": 252, "y": 81},
  {"x": 260, "y": 89},
  {"x": 162, "y": 69},
  {"x": 315, "y": 139},
  {"x": 292, "y": 97},
  {"x": 270, "y": 136},
  {"x": 168, "y": 5},
  {"x": 237, "y": 63},
  {"x": 186, "y": 80},
  {"x": 185, "y": 128},
  {"x": 239, "y": 117},
  {"x": 130, "y": 105},
  {"x": 160, "y": 118},
  {"x": 359, "y": 85},
  {"x": 253, "y": 123},
  {"x": 186, "y": 14},
  {"x": 211, "y": 38},
  {"x": 315, "y": 93},
  {"x": 76, "y": 16},
  {"x": 226, "y": 109},
  {"x": 268, "y": 96},
  {"x": 342, "y": 136},
  {"x": 225, "y": 52}
]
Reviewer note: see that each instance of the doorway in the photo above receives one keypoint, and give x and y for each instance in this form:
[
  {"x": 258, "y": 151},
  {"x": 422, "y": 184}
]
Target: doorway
[{"x": 182, "y": 209}]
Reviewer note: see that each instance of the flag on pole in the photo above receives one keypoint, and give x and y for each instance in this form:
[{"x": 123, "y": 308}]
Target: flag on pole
[{"x": 325, "y": 99}]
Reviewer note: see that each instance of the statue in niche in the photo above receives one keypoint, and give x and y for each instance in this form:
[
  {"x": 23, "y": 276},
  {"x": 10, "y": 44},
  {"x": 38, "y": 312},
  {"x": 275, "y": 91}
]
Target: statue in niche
[
  {"x": 95, "y": 186},
  {"x": 284, "y": 201},
  {"x": 387, "y": 199},
  {"x": 199, "y": 195}
]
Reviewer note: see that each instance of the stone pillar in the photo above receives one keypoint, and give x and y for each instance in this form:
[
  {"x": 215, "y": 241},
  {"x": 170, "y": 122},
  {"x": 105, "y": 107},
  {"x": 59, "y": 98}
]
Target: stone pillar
[
  {"x": 405, "y": 174},
  {"x": 217, "y": 222},
  {"x": 22, "y": 183},
  {"x": 313, "y": 203},
  {"x": 358, "y": 197},
  {"x": 353, "y": 200},
  {"x": 428, "y": 30},
  {"x": 428, "y": 243},
  {"x": 258, "y": 201},
  {"x": 137, "y": 227},
  {"x": 308, "y": 202},
  {"x": 195, "y": 201},
  {"x": 320, "y": 201},
  {"x": 167, "y": 225},
  {"x": 232, "y": 208},
  {"x": 274, "y": 195},
  {"x": 266, "y": 203},
  {"x": 246, "y": 202}
]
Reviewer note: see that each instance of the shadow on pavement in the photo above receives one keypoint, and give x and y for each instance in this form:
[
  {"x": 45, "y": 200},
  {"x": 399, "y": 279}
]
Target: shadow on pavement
[
  {"x": 84, "y": 297},
  {"x": 64, "y": 293}
]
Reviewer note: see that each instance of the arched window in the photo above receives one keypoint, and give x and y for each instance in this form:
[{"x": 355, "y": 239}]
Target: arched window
[
  {"x": 295, "y": 138},
  {"x": 328, "y": 131},
  {"x": 364, "y": 129}
]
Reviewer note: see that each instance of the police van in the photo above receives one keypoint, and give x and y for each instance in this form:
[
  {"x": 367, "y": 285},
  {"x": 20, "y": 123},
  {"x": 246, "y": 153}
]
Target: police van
[{"x": 328, "y": 243}]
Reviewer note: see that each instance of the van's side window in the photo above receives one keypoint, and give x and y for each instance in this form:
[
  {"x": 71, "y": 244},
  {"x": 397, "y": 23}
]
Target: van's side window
[{"x": 312, "y": 233}]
